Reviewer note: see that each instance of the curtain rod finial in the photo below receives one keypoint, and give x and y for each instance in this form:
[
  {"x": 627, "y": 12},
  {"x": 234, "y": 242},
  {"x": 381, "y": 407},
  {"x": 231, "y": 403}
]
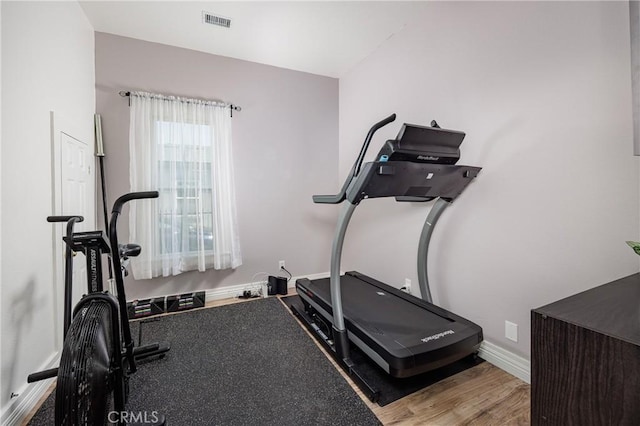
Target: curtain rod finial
[{"x": 123, "y": 93}]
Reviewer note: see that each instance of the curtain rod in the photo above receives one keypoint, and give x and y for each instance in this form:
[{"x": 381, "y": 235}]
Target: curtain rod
[{"x": 232, "y": 107}]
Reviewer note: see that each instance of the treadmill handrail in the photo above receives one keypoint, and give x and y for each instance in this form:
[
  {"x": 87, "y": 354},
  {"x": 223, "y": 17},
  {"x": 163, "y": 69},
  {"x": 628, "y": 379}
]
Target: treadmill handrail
[
  {"x": 329, "y": 199},
  {"x": 337, "y": 198},
  {"x": 355, "y": 170},
  {"x": 380, "y": 124}
]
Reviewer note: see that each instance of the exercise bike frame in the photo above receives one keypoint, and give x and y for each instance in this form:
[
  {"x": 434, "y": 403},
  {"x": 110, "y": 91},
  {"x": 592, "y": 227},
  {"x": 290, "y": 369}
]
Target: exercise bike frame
[
  {"x": 129, "y": 352},
  {"x": 93, "y": 245}
]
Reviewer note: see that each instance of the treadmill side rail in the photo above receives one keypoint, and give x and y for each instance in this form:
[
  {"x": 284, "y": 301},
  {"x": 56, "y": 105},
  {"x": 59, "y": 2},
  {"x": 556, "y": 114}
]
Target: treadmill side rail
[{"x": 345, "y": 363}]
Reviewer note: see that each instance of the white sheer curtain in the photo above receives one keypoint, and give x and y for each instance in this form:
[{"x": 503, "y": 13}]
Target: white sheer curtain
[{"x": 182, "y": 148}]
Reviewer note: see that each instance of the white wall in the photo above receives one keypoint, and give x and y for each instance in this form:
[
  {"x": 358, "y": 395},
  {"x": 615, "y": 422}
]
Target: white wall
[
  {"x": 543, "y": 92},
  {"x": 47, "y": 65}
]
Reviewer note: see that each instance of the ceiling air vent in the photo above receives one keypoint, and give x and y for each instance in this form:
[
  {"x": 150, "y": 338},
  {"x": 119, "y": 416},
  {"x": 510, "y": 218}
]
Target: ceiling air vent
[{"x": 210, "y": 18}]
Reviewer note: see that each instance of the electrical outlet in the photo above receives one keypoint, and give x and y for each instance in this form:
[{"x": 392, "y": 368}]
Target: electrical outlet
[
  {"x": 281, "y": 264},
  {"x": 511, "y": 331},
  {"x": 407, "y": 286}
]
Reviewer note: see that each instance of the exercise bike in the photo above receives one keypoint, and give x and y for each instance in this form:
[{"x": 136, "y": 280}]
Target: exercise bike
[{"x": 98, "y": 354}]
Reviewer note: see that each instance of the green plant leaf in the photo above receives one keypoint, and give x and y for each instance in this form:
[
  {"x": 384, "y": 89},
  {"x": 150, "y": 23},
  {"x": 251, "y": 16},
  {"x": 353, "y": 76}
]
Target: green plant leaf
[{"x": 635, "y": 246}]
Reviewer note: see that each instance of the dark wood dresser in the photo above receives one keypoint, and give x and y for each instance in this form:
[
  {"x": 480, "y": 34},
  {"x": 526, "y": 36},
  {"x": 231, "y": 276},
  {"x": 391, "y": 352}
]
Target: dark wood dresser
[{"x": 585, "y": 357}]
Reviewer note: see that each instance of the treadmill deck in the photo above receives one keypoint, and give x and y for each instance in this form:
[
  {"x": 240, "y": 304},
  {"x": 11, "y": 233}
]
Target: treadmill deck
[{"x": 403, "y": 334}]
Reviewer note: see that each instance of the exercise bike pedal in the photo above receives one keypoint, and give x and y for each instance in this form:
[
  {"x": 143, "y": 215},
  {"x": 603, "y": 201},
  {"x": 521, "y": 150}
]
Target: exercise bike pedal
[
  {"x": 42, "y": 375},
  {"x": 153, "y": 349}
]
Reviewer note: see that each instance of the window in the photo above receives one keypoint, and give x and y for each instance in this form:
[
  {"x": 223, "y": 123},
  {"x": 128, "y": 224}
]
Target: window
[
  {"x": 186, "y": 195},
  {"x": 182, "y": 148}
]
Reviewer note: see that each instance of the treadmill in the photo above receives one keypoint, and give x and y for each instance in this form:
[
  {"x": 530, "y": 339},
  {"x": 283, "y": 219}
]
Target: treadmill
[{"x": 401, "y": 333}]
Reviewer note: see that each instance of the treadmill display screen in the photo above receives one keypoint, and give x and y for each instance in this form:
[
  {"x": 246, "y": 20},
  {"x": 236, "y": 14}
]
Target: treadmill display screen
[
  {"x": 422, "y": 144},
  {"x": 418, "y": 138}
]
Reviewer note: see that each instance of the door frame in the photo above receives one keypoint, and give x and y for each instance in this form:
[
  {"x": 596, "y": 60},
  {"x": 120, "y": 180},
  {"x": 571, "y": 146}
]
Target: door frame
[{"x": 60, "y": 124}]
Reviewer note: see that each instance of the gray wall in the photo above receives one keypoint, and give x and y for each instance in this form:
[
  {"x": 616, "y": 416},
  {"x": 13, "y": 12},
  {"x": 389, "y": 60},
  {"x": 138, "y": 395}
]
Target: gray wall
[
  {"x": 285, "y": 143},
  {"x": 543, "y": 91}
]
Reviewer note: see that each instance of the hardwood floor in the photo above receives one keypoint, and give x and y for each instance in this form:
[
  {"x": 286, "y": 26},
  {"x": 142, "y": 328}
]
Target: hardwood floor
[{"x": 482, "y": 395}]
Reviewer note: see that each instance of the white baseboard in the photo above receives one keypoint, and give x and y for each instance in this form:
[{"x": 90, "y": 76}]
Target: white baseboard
[
  {"x": 505, "y": 360},
  {"x": 16, "y": 411},
  {"x": 237, "y": 289}
]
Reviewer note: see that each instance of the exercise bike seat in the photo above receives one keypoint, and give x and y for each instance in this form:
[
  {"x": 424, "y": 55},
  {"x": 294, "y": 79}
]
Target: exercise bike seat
[{"x": 129, "y": 250}]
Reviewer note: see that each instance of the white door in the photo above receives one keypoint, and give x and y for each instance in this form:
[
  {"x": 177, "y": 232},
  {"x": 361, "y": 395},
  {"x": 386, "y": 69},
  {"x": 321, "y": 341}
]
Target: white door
[
  {"x": 76, "y": 173},
  {"x": 74, "y": 190}
]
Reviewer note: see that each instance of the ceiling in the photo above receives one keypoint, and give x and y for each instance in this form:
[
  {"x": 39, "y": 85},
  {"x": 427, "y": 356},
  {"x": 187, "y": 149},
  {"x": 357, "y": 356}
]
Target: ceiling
[{"x": 322, "y": 37}]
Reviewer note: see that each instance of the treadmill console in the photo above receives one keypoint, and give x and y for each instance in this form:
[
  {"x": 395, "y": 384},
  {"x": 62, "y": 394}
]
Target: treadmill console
[{"x": 422, "y": 144}]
